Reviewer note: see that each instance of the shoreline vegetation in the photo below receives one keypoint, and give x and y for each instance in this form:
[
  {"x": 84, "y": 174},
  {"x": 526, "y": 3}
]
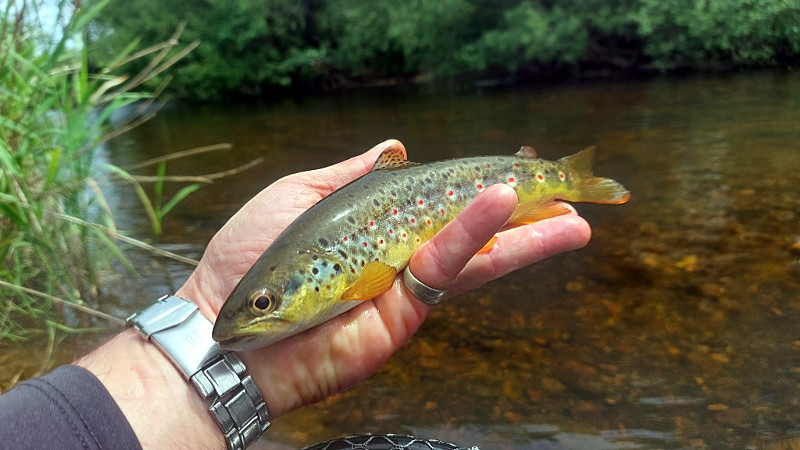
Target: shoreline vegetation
[
  {"x": 57, "y": 232},
  {"x": 270, "y": 48}
]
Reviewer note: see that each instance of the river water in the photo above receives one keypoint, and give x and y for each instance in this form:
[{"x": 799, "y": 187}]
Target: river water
[{"x": 676, "y": 327}]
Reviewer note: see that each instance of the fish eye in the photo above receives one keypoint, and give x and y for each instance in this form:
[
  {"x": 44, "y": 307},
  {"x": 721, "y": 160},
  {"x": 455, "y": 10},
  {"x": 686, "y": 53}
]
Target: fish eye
[{"x": 262, "y": 302}]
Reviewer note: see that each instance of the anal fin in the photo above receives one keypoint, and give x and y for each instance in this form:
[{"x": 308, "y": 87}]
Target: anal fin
[
  {"x": 535, "y": 211},
  {"x": 375, "y": 279},
  {"x": 489, "y": 245}
]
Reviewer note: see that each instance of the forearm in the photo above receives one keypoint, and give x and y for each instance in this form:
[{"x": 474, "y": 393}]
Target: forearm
[{"x": 163, "y": 409}]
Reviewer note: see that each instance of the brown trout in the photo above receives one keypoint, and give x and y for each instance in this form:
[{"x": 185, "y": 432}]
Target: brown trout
[{"x": 351, "y": 245}]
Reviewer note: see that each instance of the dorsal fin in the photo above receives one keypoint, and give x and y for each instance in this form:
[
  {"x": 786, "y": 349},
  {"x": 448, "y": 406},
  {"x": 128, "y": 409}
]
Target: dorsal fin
[
  {"x": 392, "y": 157},
  {"x": 526, "y": 151}
]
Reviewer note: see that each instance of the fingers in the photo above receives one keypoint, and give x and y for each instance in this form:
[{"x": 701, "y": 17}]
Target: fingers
[
  {"x": 438, "y": 262},
  {"x": 519, "y": 247}
]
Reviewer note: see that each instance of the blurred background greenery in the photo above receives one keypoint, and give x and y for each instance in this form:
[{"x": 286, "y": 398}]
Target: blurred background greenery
[{"x": 258, "y": 47}]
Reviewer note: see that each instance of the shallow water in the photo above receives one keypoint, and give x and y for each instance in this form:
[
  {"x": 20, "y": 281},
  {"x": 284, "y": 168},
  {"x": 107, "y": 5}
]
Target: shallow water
[{"x": 676, "y": 327}]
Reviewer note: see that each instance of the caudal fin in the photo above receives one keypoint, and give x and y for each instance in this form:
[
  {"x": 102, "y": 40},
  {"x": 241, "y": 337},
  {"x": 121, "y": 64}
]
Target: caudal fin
[{"x": 588, "y": 188}]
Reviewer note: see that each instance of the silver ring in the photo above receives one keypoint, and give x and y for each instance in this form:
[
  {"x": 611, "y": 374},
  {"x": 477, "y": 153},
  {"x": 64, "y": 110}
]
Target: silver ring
[{"x": 422, "y": 291}]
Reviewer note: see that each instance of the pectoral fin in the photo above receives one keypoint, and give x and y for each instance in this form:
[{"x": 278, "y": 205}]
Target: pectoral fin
[
  {"x": 375, "y": 279},
  {"x": 535, "y": 211}
]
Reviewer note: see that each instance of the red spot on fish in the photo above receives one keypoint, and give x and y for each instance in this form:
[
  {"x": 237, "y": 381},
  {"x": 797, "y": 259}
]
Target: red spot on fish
[
  {"x": 417, "y": 239},
  {"x": 371, "y": 223},
  {"x": 441, "y": 211},
  {"x": 420, "y": 202},
  {"x": 561, "y": 175},
  {"x": 480, "y": 186},
  {"x": 511, "y": 179},
  {"x": 394, "y": 211},
  {"x": 391, "y": 231},
  {"x": 450, "y": 193},
  {"x": 364, "y": 244},
  {"x": 429, "y": 222},
  {"x": 540, "y": 176},
  {"x": 380, "y": 242},
  {"x": 516, "y": 164},
  {"x": 413, "y": 220},
  {"x": 404, "y": 235},
  {"x": 344, "y": 238},
  {"x": 487, "y": 166}
]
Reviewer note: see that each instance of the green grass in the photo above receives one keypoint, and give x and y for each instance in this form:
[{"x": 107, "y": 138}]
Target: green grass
[{"x": 56, "y": 230}]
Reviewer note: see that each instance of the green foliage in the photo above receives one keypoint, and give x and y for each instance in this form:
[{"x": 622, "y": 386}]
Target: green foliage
[
  {"x": 709, "y": 32},
  {"x": 388, "y": 38},
  {"x": 528, "y": 34},
  {"x": 254, "y": 46},
  {"x": 247, "y": 44},
  {"x": 56, "y": 230}
]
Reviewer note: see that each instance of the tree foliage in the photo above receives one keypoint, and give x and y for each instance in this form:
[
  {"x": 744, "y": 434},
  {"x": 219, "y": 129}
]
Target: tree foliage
[{"x": 252, "y": 46}]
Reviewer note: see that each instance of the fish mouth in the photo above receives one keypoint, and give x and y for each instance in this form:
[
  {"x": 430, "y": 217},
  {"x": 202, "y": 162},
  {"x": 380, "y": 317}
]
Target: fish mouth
[
  {"x": 234, "y": 338},
  {"x": 239, "y": 343}
]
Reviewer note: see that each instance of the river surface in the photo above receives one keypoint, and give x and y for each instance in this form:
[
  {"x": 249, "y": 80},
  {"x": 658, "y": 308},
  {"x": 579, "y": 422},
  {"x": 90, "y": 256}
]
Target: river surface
[{"x": 677, "y": 327}]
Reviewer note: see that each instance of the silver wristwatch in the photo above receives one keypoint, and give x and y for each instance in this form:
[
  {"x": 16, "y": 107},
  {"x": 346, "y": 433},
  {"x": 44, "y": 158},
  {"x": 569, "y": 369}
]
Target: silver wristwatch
[{"x": 184, "y": 335}]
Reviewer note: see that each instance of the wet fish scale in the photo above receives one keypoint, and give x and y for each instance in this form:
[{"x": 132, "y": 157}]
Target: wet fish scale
[{"x": 352, "y": 243}]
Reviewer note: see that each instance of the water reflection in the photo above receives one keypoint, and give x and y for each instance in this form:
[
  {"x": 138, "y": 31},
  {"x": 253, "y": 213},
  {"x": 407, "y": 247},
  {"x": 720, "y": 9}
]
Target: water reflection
[{"x": 676, "y": 327}]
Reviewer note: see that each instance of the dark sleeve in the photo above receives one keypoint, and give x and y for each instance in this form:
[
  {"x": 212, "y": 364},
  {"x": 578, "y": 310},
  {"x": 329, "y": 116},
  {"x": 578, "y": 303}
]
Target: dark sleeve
[{"x": 66, "y": 409}]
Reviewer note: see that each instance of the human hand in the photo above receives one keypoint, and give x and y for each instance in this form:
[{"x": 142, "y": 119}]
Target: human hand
[{"x": 336, "y": 355}]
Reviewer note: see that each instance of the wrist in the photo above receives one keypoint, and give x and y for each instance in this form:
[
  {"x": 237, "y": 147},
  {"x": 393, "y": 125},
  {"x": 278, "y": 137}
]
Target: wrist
[{"x": 162, "y": 407}]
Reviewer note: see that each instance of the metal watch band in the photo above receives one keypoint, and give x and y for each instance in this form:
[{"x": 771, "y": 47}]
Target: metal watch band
[{"x": 184, "y": 335}]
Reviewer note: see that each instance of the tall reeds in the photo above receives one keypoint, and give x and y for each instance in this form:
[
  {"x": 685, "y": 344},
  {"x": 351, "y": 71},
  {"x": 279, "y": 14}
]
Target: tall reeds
[{"x": 56, "y": 230}]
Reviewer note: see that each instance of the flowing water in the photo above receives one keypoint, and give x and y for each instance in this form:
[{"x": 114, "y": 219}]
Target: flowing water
[{"x": 676, "y": 327}]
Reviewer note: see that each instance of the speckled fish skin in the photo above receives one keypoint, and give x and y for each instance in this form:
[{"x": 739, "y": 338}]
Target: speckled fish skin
[{"x": 384, "y": 216}]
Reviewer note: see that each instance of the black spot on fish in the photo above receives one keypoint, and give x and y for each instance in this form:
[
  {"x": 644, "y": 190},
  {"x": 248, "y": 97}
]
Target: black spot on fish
[
  {"x": 333, "y": 276},
  {"x": 410, "y": 179},
  {"x": 272, "y": 269},
  {"x": 395, "y": 182},
  {"x": 381, "y": 191},
  {"x": 324, "y": 263},
  {"x": 351, "y": 195},
  {"x": 351, "y": 220},
  {"x": 309, "y": 279},
  {"x": 316, "y": 288},
  {"x": 337, "y": 267},
  {"x": 376, "y": 202},
  {"x": 428, "y": 180},
  {"x": 315, "y": 271},
  {"x": 344, "y": 255},
  {"x": 315, "y": 257},
  {"x": 374, "y": 246},
  {"x": 394, "y": 193},
  {"x": 323, "y": 242},
  {"x": 365, "y": 186}
]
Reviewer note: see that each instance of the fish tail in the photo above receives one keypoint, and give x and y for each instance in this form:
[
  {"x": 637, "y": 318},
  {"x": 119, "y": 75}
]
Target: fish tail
[{"x": 588, "y": 188}]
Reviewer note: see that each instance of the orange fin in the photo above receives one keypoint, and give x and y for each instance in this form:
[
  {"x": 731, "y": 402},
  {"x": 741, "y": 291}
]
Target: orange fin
[
  {"x": 526, "y": 151},
  {"x": 392, "y": 157},
  {"x": 489, "y": 245},
  {"x": 535, "y": 211},
  {"x": 375, "y": 279}
]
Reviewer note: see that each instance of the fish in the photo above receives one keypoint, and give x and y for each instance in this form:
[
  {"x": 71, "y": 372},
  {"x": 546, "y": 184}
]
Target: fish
[{"x": 350, "y": 246}]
